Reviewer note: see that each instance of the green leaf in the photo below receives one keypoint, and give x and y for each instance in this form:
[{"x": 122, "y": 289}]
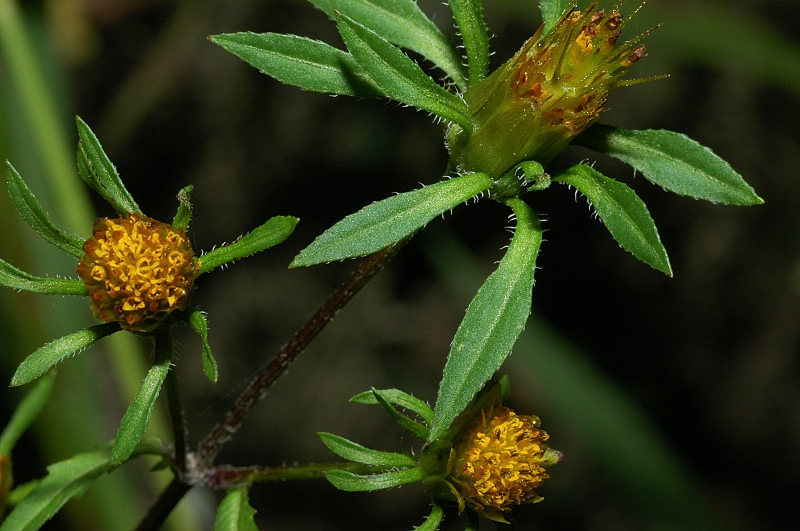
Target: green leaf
[
  {"x": 271, "y": 233},
  {"x": 553, "y": 10},
  {"x": 386, "y": 222},
  {"x": 65, "y": 480},
  {"x": 97, "y": 170},
  {"x": 433, "y": 520},
  {"x": 35, "y": 216},
  {"x": 134, "y": 422},
  {"x": 197, "y": 320},
  {"x": 673, "y": 161},
  {"x": 622, "y": 212},
  {"x": 347, "y": 481},
  {"x": 493, "y": 320},
  {"x": 469, "y": 18},
  {"x": 26, "y": 412},
  {"x": 235, "y": 513},
  {"x": 46, "y": 357},
  {"x": 301, "y": 62},
  {"x": 14, "y": 278},
  {"x": 355, "y": 452},
  {"x": 399, "y": 77},
  {"x": 398, "y": 398},
  {"x": 184, "y": 214},
  {"x": 403, "y": 23},
  {"x": 405, "y": 422}
]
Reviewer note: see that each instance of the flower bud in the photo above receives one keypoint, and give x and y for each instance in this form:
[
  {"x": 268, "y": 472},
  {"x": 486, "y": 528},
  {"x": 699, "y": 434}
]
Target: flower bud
[
  {"x": 551, "y": 90},
  {"x": 137, "y": 271}
]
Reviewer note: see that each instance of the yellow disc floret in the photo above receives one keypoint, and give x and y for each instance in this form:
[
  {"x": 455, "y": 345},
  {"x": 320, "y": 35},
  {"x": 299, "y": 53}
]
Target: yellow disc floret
[{"x": 137, "y": 270}]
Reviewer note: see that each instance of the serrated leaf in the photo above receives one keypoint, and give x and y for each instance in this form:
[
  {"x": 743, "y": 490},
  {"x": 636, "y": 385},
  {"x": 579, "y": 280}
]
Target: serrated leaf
[
  {"x": 271, "y": 233},
  {"x": 134, "y": 423},
  {"x": 46, "y": 357},
  {"x": 398, "y": 398},
  {"x": 360, "y": 454},
  {"x": 403, "y": 23},
  {"x": 14, "y": 278},
  {"x": 553, "y": 10},
  {"x": 622, "y": 212},
  {"x": 26, "y": 412},
  {"x": 493, "y": 320},
  {"x": 469, "y": 19},
  {"x": 197, "y": 320},
  {"x": 433, "y": 520},
  {"x": 300, "y": 61},
  {"x": 65, "y": 480},
  {"x": 674, "y": 162},
  {"x": 405, "y": 422},
  {"x": 35, "y": 216},
  {"x": 235, "y": 513},
  {"x": 386, "y": 222},
  {"x": 347, "y": 481},
  {"x": 99, "y": 173},
  {"x": 400, "y": 78}
]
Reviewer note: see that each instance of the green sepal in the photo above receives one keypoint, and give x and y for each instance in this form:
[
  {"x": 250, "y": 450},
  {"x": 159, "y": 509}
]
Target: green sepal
[
  {"x": 300, "y": 61},
  {"x": 235, "y": 513},
  {"x": 197, "y": 320},
  {"x": 26, "y": 412},
  {"x": 360, "y": 454},
  {"x": 399, "y": 77},
  {"x": 468, "y": 15},
  {"x": 134, "y": 423},
  {"x": 433, "y": 519},
  {"x": 674, "y": 162},
  {"x": 47, "y": 356},
  {"x": 403, "y": 23},
  {"x": 347, "y": 481},
  {"x": 31, "y": 211},
  {"x": 405, "y": 422},
  {"x": 398, "y": 398},
  {"x": 622, "y": 212},
  {"x": 386, "y": 222},
  {"x": 99, "y": 173},
  {"x": 552, "y": 11},
  {"x": 527, "y": 176},
  {"x": 184, "y": 214},
  {"x": 14, "y": 278},
  {"x": 271, "y": 233},
  {"x": 493, "y": 320}
]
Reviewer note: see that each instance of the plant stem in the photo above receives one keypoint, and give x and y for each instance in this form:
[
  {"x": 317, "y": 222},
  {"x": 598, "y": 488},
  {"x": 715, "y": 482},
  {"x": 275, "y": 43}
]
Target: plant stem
[
  {"x": 176, "y": 415},
  {"x": 223, "y": 477},
  {"x": 223, "y": 431},
  {"x": 166, "y": 501}
]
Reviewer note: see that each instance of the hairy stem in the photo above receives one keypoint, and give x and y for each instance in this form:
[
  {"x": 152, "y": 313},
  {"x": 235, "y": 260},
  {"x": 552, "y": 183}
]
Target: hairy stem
[{"x": 223, "y": 477}]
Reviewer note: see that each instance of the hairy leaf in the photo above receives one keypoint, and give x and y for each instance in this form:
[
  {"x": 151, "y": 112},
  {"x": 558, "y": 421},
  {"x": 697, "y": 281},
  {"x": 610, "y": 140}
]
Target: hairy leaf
[
  {"x": 360, "y": 454},
  {"x": 14, "y": 278},
  {"x": 398, "y": 398},
  {"x": 347, "y": 481},
  {"x": 271, "y": 233},
  {"x": 197, "y": 320},
  {"x": 405, "y": 422},
  {"x": 433, "y": 520},
  {"x": 469, "y": 18},
  {"x": 235, "y": 513},
  {"x": 386, "y": 222}
]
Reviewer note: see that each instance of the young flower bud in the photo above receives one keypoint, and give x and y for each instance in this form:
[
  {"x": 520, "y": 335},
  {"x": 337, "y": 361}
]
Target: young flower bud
[
  {"x": 551, "y": 90},
  {"x": 137, "y": 270}
]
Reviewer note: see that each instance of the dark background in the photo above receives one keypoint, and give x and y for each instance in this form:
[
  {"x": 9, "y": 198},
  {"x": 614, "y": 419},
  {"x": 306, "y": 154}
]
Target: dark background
[{"x": 707, "y": 360}]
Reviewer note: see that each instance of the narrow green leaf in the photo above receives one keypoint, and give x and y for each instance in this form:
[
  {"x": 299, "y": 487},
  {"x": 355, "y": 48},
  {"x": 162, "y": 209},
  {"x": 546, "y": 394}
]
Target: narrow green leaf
[
  {"x": 403, "y": 23},
  {"x": 553, "y": 10},
  {"x": 385, "y": 222},
  {"x": 300, "y": 62},
  {"x": 405, "y": 422},
  {"x": 347, "y": 481},
  {"x": 433, "y": 520},
  {"x": 355, "y": 452},
  {"x": 493, "y": 320},
  {"x": 134, "y": 422},
  {"x": 674, "y": 162},
  {"x": 26, "y": 412},
  {"x": 184, "y": 214},
  {"x": 469, "y": 18},
  {"x": 97, "y": 170},
  {"x": 14, "y": 278},
  {"x": 271, "y": 233},
  {"x": 399, "y": 77},
  {"x": 65, "y": 480},
  {"x": 197, "y": 320},
  {"x": 398, "y": 398},
  {"x": 622, "y": 212},
  {"x": 235, "y": 513},
  {"x": 35, "y": 216},
  {"x": 46, "y": 357}
]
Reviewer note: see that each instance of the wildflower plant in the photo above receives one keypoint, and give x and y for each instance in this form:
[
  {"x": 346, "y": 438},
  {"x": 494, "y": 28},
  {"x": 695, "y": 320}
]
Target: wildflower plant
[{"x": 502, "y": 129}]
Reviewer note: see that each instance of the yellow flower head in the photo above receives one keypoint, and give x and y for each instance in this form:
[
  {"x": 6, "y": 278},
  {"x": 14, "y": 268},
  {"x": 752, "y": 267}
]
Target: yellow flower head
[
  {"x": 551, "y": 90},
  {"x": 137, "y": 270}
]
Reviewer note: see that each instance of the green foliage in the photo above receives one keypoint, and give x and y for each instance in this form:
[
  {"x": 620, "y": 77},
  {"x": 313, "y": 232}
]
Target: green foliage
[
  {"x": 271, "y": 233},
  {"x": 235, "y": 513},
  {"x": 360, "y": 454},
  {"x": 552, "y": 10},
  {"x": 26, "y": 412},
  {"x": 398, "y": 398},
  {"x": 197, "y": 320},
  {"x": 350, "y": 482},
  {"x": 14, "y": 278},
  {"x": 469, "y": 19}
]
